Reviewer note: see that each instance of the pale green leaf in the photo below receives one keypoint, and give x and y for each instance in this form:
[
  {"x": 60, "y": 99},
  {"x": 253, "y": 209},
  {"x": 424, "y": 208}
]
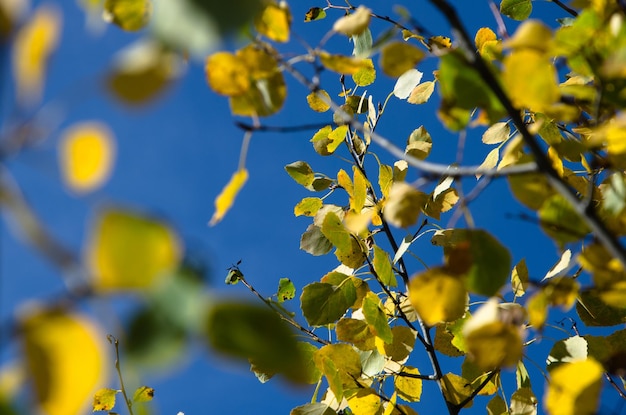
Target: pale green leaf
[
  {"x": 324, "y": 303},
  {"x": 516, "y": 9}
]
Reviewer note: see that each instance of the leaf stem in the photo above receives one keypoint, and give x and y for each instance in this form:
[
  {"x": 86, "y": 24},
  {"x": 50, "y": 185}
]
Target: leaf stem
[{"x": 115, "y": 342}]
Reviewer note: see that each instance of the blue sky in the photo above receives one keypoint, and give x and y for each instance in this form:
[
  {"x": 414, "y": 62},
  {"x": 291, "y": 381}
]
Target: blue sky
[{"x": 175, "y": 155}]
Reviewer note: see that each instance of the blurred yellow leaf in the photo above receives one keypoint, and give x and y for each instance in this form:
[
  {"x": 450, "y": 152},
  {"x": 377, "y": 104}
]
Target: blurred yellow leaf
[
  {"x": 344, "y": 64},
  {"x": 143, "y": 394},
  {"x": 398, "y": 57},
  {"x": 33, "y": 45},
  {"x": 530, "y": 79},
  {"x": 483, "y": 36},
  {"x": 274, "y": 22},
  {"x": 65, "y": 360},
  {"x": 142, "y": 70},
  {"x": 574, "y": 388},
  {"x": 438, "y": 296},
  {"x": 104, "y": 399},
  {"x": 355, "y": 23},
  {"x": 319, "y": 101},
  {"x": 531, "y": 34},
  {"x": 494, "y": 345},
  {"x": 129, "y": 251},
  {"x": 86, "y": 155},
  {"x": 225, "y": 200},
  {"x": 130, "y": 15},
  {"x": 404, "y": 205},
  {"x": 227, "y": 74}
]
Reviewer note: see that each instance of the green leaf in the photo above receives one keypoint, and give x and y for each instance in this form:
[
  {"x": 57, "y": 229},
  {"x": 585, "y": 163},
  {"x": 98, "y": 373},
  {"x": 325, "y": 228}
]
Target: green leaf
[
  {"x": 349, "y": 250},
  {"x": 376, "y": 317},
  {"x": 443, "y": 342},
  {"x": 286, "y": 290},
  {"x": 382, "y": 266},
  {"x": 560, "y": 221},
  {"x": 516, "y": 9},
  {"x": 256, "y": 334},
  {"x": 372, "y": 362},
  {"x": 314, "y": 242},
  {"x": 311, "y": 374},
  {"x": 143, "y": 394},
  {"x": 595, "y": 313},
  {"x": 324, "y": 303},
  {"x": 301, "y": 172},
  {"x": 104, "y": 399},
  {"x": 341, "y": 365}
]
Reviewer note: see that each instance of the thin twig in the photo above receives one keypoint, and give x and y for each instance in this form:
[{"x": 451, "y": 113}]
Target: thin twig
[
  {"x": 115, "y": 343},
  {"x": 565, "y": 7}
]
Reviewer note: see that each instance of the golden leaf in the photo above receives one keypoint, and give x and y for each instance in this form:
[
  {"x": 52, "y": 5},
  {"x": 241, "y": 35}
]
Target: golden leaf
[
  {"x": 226, "y": 198},
  {"x": 355, "y": 23},
  {"x": 438, "y": 296},
  {"x": 574, "y": 388}
]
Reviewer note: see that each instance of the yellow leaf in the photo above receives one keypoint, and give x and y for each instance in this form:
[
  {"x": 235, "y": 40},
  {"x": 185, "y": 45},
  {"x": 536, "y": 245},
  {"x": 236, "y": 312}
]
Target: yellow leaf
[
  {"x": 355, "y": 23},
  {"x": 493, "y": 345},
  {"x": 65, "y": 360},
  {"x": 227, "y": 74},
  {"x": 365, "y": 402},
  {"x": 344, "y": 64},
  {"x": 531, "y": 34},
  {"x": 497, "y": 133},
  {"x": 86, "y": 154},
  {"x": 274, "y": 22},
  {"x": 319, "y": 101},
  {"x": 104, "y": 399},
  {"x": 225, "y": 200},
  {"x": 530, "y": 79},
  {"x": 143, "y": 394},
  {"x": 33, "y": 45},
  {"x": 130, "y": 15},
  {"x": 366, "y": 75},
  {"x": 484, "y": 35},
  {"x": 421, "y": 93},
  {"x": 574, "y": 388},
  {"x": 408, "y": 388},
  {"x": 438, "y": 296},
  {"x": 456, "y": 389},
  {"x": 129, "y": 251},
  {"x": 398, "y": 57},
  {"x": 490, "y": 162}
]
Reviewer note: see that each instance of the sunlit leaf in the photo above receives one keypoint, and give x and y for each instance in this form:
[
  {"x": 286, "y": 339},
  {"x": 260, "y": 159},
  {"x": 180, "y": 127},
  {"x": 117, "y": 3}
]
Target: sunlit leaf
[
  {"x": 404, "y": 205},
  {"x": 34, "y": 43},
  {"x": 86, "y": 154},
  {"x": 438, "y": 296},
  {"x": 274, "y": 22},
  {"x": 319, "y": 101},
  {"x": 574, "y": 388},
  {"x": 406, "y": 83},
  {"x": 286, "y": 290},
  {"x": 519, "y": 278},
  {"x": 354, "y": 24},
  {"x": 419, "y": 144},
  {"x": 65, "y": 360},
  {"x": 443, "y": 342},
  {"x": 314, "y": 13},
  {"x": 308, "y": 206},
  {"x": 523, "y": 402},
  {"x": 516, "y": 9},
  {"x": 301, "y": 172},
  {"x": 398, "y": 57},
  {"x": 531, "y": 35},
  {"x": 362, "y": 44},
  {"x": 383, "y": 268},
  {"x": 497, "y": 133},
  {"x": 408, "y": 388},
  {"x": 224, "y": 201},
  {"x": 565, "y": 351},
  {"x": 402, "y": 345},
  {"x": 104, "y": 399},
  {"x": 421, "y": 93},
  {"x": 324, "y": 303},
  {"x": 341, "y": 365},
  {"x": 130, "y": 15},
  {"x": 366, "y": 75},
  {"x": 365, "y": 401},
  {"x": 349, "y": 251},
  {"x": 143, "y": 394},
  {"x": 257, "y": 334},
  {"x": 130, "y": 251},
  {"x": 357, "y": 202},
  {"x": 495, "y": 344}
]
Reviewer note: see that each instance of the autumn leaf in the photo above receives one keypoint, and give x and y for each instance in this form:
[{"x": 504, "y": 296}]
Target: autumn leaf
[{"x": 226, "y": 198}]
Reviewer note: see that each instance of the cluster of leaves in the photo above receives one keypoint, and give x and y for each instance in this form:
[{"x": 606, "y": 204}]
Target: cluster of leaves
[{"x": 551, "y": 100}]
